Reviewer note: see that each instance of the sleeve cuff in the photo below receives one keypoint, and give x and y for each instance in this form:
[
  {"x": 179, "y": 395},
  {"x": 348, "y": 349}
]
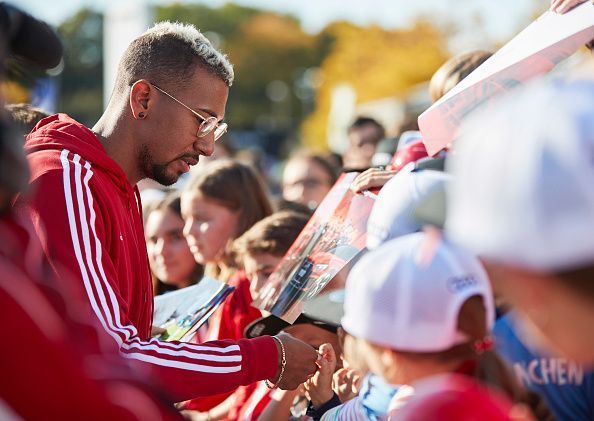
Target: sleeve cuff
[
  {"x": 317, "y": 413},
  {"x": 259, "y": 358}
]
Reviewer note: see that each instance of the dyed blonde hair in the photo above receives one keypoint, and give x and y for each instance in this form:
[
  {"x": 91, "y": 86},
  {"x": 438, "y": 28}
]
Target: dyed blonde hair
[{"x": 167, "y": 54}]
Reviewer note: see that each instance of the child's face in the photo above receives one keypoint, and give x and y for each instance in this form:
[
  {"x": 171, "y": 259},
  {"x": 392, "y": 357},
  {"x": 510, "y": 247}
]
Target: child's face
[
  {"x": 352, "y": 353},
  {"x": 536, "y": 297},
  {"x": 169, "y": 255},
  {"x": 258, "y": 267},
  {"x": 381, "y": 361},
  {"x": 208, "y": 227},
  {"x": 306, "y": 182}
]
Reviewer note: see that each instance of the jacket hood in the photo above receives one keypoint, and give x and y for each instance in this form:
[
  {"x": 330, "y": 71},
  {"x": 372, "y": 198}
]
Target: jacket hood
[{"x": 60, "y": 131}]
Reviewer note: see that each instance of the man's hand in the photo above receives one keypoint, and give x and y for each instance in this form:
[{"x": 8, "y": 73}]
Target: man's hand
[{"x": 301, "y": 362}]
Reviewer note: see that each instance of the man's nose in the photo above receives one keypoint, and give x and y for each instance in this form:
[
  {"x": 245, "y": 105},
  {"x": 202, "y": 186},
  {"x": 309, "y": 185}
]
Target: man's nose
[{"x": 205, "y": 145}]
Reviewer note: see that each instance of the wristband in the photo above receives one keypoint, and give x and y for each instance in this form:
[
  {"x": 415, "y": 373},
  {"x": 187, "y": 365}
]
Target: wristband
[{"x": 283, "y": 365}]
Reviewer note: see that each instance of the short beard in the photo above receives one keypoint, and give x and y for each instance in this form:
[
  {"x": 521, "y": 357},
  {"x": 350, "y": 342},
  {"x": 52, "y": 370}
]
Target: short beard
[{"x": 157, "y": 172}]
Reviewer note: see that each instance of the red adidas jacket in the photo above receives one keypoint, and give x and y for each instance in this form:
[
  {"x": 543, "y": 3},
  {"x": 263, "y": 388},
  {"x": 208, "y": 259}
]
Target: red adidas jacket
[
  {"x": 93, "y": 227},
  {"x": 237, "y": 312},
  {"x": 59, "y": 364},
  {"x": 229, "y": 322}
]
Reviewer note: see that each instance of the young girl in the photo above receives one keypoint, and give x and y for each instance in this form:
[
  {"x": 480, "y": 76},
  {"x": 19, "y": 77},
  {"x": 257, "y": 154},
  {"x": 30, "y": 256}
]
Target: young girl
[
  {"x": 219, "y": 204},
  {"x": 258, "y": 251},
  {"x": 170, "y": 258}
]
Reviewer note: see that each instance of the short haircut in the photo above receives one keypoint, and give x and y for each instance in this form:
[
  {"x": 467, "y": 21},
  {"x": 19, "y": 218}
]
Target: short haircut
[
  {"x": 454, "y": 70},
  {"x": 272, "y": 235},
  {"x": 364, "y": 121},
  {"x": 24, "y": 116},
  {"x": 318, "y": 159},
  {"x": 167, "y": 55}
]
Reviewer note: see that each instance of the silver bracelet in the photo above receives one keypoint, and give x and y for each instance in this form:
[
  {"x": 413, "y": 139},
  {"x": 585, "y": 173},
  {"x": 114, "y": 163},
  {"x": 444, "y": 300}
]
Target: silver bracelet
[{"x": 283, "y": 365}]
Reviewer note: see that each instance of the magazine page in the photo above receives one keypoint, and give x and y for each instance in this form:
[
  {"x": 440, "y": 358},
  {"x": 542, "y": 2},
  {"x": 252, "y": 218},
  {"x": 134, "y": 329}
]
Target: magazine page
[
  {"x": 335, "y": 234},
  {"x": 534, "y": 51},
  {"x": 183, "y": 311}
]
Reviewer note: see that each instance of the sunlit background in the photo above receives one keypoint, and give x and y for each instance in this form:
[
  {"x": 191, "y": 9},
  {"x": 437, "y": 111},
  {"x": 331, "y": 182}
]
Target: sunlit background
[{"x": 304, "y": 69}]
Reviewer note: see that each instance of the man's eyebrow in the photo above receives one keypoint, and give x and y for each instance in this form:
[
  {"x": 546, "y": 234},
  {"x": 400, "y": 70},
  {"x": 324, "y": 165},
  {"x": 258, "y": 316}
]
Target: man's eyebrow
[{"x": 210, "y": 113}]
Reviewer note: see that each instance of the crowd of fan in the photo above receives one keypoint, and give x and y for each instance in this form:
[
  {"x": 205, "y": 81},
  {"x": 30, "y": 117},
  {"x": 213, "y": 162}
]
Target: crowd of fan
[{"x": 472, "y": 298}]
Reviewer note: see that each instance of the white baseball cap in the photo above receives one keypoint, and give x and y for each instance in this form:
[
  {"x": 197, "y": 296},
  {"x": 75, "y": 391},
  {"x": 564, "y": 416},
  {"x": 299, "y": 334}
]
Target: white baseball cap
[
  {"x": 407, "y": 138},
  {"x": 407, "y": 294},
  {"x": 393, "y": 212},
  {"x": 523, "y": 193}
]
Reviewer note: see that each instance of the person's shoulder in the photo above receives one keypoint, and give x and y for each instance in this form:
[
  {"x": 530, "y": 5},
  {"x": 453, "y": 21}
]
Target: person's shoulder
[
  {"x": 61, "y": 142},
  {"x": 349, "y": 410},
  {"x": 57, "y": 166}
]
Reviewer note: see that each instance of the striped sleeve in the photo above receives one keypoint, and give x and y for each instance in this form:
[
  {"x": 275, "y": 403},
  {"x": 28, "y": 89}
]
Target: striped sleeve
[{"x": 75, "y": 238}]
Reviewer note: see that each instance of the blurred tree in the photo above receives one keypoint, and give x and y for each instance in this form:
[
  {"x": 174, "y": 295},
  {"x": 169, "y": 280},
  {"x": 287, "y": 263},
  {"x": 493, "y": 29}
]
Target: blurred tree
[
  {"x": 274, "y": 59},
  {"x": 269, "y": 52},
  {"x": 225, "y": 21},
  {"x": 376, "y": 62},
  {"x": 14, "y": 92},
  {"x": 81, "y": 94}
]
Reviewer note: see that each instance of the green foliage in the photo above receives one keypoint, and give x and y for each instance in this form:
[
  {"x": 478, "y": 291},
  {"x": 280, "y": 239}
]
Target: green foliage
[
  {"x": 266, "y": 47},
  {"x": 81, "y": 82},
  {"x": 225, "y": 21},
  {"x": 376, "y": 63},
  {"x": 263, "y": 47}
]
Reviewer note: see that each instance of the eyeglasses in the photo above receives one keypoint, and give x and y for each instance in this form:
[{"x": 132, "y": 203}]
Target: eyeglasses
[{"x": 207, "y": 124}]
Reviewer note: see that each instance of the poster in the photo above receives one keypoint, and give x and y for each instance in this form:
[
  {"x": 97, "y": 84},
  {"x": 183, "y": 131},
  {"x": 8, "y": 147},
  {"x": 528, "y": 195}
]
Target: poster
[
  {"x": 534, "y": 51},
  {"x": 335, "y": 234},
  {"x": 183, "y": 311}
]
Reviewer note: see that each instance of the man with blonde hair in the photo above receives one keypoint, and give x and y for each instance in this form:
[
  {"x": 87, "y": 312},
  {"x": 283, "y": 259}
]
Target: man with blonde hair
[{"x": 164, "y": 113}]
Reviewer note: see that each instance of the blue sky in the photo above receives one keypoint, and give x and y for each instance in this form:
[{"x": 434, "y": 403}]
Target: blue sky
[{"x": 482, "y": 21}]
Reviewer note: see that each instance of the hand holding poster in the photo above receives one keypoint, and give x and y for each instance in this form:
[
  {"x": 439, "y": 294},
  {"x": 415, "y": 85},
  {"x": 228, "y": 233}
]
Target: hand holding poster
[
  {"x": 535, "y": 51},
  {"x": 334, "y": 235},
  {"x": 182, "y": 312}
]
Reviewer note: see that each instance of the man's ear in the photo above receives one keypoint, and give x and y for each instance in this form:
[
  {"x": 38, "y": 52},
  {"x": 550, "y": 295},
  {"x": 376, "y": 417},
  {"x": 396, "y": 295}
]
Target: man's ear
[{"x": 140, "y": 93}]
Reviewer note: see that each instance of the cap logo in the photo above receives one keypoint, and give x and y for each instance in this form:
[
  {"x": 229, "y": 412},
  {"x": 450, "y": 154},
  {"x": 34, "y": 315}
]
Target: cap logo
[{"x": 458, "y": 284}]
